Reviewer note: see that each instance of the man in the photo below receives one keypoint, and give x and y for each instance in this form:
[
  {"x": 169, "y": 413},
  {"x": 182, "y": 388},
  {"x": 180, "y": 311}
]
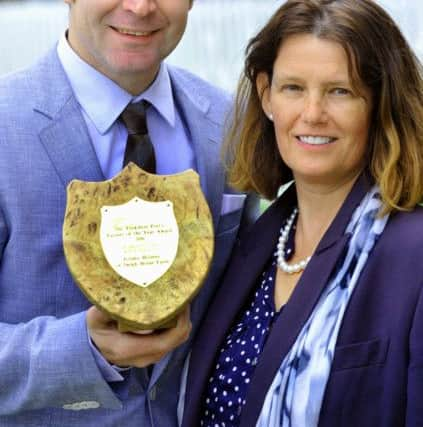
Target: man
[{"x": 62, "y": 362}]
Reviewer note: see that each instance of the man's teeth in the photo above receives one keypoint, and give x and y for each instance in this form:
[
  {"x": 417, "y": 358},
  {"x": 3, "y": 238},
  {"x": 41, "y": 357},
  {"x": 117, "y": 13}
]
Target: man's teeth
[
  {"x": 134, "y": 33},
  {"x": 316, "y": 140}
]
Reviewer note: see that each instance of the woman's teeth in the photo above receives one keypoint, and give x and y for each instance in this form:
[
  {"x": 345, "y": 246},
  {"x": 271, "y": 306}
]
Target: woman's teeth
[{"x": 316, "y": 140}]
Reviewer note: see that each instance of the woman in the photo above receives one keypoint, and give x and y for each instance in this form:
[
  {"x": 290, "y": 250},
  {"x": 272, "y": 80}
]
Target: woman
[{"x": 319, "y": 319}]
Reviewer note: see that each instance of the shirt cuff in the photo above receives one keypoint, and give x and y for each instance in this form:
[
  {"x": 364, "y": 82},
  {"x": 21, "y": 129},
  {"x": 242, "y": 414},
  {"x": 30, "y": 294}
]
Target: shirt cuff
[{"x": 111, "y": 373}]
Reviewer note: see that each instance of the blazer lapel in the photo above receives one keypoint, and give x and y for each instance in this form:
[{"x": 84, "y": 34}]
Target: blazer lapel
[
  {"x": 69, "y": 147},
  {"x": 63, "y": 134},
  {"x": 239, "y": 281},
  {"x": 301, "y": 304},
  {"x": 205, "y": 136}
]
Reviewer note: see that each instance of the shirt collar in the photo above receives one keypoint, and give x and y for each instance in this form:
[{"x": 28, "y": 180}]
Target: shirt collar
[
  {"x": 102, "y": 99},
  {"x": 160, "y": 95}
]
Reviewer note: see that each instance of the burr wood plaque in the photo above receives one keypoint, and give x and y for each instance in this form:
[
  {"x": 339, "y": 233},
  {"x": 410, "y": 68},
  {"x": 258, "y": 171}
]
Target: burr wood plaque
[{"x": 139, "y": 245}]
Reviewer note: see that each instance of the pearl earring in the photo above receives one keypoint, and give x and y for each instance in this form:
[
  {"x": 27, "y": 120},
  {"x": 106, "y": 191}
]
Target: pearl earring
[{"x": 270, "y": 117}]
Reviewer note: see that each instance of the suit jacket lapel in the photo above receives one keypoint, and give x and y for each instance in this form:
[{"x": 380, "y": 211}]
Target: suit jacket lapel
[
  {"x": 205, "y": 136},
  {"x": 63, "y": 133},
  {"x": 301, "y": 304}
]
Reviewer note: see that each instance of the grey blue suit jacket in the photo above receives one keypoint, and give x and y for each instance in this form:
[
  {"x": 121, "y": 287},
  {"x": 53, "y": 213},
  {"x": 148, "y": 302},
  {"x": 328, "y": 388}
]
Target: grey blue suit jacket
[
  {"x": 48, "y": 376},
  {"x": 376, "y": 378}
]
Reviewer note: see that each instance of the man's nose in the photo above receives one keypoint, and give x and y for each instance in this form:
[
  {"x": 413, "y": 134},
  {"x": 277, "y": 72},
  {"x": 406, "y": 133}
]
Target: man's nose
[{"x": 139, "y": 7}]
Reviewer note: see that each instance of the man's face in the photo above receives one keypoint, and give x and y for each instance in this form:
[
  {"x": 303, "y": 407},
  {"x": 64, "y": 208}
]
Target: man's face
[{"x": 127, "y": 39}]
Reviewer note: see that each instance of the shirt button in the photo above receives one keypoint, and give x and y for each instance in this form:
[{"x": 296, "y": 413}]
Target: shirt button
[{"x": 254, "y": 362}]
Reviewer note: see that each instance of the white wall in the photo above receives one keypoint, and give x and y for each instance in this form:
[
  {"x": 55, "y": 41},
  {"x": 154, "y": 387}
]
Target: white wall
[
  {"x": 27, "y": 30},
  {"x": 212, "y": 47},
  {"x": 217, "y": 34}
]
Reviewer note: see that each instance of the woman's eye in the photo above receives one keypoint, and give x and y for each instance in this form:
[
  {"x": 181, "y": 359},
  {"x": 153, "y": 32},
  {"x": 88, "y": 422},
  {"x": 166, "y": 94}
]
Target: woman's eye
[
  {"x": 291, "y": 88},
  {"x": 340, "y": 91}
]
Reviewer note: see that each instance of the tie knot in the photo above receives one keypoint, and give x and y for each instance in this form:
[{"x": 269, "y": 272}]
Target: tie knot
[{"x": 133, "y": 116}]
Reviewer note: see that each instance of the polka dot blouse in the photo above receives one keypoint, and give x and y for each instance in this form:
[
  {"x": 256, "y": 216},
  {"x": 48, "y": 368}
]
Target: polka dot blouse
[{"x": 236, "y": 362}]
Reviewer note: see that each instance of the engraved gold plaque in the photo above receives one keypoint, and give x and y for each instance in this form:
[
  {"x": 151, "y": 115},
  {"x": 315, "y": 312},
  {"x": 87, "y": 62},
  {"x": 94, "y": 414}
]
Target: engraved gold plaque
[
  {"x": 139, "y": 245},
  {"x": 139, "y": 239}
]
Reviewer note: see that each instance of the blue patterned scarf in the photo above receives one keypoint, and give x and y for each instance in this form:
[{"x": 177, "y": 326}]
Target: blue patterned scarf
[{"x": 295, "y": 397}]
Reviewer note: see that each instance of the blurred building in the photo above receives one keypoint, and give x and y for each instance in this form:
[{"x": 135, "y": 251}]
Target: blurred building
[{"x": 213, "y": 46}]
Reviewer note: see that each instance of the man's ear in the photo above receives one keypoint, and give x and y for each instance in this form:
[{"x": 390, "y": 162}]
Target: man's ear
[{"x": 263, "y": 90}]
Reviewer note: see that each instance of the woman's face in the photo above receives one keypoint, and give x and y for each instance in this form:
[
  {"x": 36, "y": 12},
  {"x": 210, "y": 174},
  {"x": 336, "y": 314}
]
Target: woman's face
[{"x": 321, "y": 122}]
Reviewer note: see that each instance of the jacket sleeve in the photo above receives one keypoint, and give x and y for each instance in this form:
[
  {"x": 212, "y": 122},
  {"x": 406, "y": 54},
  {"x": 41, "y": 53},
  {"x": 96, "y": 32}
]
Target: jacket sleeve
[
  {"x": 47, "y": 362},
  {"x": 415, "y": 369}
]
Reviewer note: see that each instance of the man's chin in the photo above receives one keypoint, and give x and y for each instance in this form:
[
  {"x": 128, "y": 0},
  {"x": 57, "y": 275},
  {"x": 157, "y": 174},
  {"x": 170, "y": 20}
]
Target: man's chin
[{"x": 133, "y": 76}]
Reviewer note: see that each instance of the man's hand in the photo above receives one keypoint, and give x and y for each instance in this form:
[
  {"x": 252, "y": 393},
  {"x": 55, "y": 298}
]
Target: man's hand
[{"x": 132, "y": 349}]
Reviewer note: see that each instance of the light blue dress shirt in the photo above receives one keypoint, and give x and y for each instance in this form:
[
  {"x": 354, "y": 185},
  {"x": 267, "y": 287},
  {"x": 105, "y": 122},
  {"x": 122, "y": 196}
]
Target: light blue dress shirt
[{"x": 102, "y": 101}]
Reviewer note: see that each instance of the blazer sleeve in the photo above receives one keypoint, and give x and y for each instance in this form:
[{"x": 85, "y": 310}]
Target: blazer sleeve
[
  {"x": 415, "y": 369},
  {"x": 47, "y": 362}
]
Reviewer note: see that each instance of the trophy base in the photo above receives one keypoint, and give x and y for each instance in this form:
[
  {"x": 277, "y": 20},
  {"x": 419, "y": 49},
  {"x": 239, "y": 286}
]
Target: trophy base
[{"x": 125, "y": 327}]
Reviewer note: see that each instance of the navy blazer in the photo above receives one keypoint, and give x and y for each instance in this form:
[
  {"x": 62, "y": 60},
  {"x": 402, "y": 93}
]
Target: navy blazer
[{"x": 376, "y": 377}]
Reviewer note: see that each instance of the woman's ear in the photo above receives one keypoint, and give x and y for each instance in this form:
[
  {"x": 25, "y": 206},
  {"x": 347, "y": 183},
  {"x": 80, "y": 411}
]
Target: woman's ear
[{"x": 263, "y": 90}]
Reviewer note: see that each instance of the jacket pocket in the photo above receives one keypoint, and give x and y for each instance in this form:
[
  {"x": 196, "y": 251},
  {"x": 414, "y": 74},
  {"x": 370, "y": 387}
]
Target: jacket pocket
[{"x": 360, "y": 354}]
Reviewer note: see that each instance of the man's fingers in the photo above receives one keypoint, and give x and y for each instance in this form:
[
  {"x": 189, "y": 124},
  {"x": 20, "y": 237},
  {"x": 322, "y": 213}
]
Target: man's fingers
[
  {"x": 184, "y": 322},
  {"x": 97, "y": 319},
  {"x": 134, "y": 349}
]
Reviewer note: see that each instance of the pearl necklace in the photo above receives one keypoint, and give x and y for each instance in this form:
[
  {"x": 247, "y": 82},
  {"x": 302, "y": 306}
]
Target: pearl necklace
[{"x": 283, "y": 265}]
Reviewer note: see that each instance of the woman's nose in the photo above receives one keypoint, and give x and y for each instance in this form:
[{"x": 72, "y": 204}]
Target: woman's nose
[{"x": 314, "y": 111}]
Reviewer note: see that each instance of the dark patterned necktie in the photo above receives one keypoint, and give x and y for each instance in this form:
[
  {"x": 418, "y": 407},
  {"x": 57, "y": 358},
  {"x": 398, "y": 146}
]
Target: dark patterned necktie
[{"x": 139, "y": 148}]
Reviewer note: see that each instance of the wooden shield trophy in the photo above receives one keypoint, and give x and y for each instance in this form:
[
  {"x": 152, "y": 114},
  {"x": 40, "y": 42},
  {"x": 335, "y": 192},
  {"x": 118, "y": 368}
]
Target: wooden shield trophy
[{"x": 139, "y": 245}]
